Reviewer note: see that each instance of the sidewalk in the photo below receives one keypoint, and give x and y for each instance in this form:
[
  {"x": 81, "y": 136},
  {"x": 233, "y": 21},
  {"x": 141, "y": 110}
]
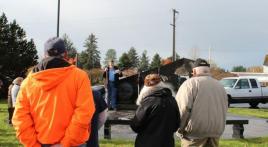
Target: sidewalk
[{"x": 257, "y": 127}]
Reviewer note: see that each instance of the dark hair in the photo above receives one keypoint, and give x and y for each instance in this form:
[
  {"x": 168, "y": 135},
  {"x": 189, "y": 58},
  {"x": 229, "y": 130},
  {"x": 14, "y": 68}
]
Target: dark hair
[{"x": 53, "y": 52}]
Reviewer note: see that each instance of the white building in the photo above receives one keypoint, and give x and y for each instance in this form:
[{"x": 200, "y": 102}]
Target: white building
[{"x": 265, "y": 64}]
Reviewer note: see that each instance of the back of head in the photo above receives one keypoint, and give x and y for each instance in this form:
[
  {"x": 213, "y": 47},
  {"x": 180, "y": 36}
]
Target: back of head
[
  {"x": 152, "y": 80},
  {"x": 18, "y": 80},
  {"x": 54, "y": 47},
  {"x": 201, "y": 67}
]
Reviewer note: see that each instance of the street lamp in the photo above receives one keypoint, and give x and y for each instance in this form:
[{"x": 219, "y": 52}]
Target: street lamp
[{"x": 58, "y": 22}]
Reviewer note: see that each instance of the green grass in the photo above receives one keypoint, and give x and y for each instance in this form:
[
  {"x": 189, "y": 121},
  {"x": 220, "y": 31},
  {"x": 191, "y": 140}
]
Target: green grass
[
  {"x": 8, "y": 138},
  {"x": 7, "y": 133},
  {"x": 255, "y": 142},
  {"x": 261, "y": 113}
]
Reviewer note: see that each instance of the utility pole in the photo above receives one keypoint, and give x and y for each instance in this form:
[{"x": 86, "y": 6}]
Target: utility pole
[
  {"x": 58, "y": 22},
  {"x": 174, "y": 35}
]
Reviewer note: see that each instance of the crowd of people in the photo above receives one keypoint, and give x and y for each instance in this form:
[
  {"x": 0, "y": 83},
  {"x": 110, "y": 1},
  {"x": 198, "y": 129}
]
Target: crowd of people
[{"x": 55, "y": 106}]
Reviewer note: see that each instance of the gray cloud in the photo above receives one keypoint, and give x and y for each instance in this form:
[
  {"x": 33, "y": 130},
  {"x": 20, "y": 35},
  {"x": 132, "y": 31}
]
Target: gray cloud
[{"x": 235, "y": 29}]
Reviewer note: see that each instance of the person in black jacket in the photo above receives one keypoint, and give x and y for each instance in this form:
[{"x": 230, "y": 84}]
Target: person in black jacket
[
  {"x": 111, "y": 76},
  {"x": 98, "y": 118},
  {"x": 157, "y": 117}
]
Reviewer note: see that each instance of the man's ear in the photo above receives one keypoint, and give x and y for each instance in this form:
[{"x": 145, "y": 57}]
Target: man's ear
[
  {"x": 65, "y": 56},
  {"x": 194, "y": 72}
]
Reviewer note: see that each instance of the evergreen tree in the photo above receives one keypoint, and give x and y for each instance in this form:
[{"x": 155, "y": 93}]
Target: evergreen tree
[
  {"x": 124, "y": 61},
  {"x": 90, "y": 58},
  {"x": 144, "y": 62},
  {"x": 239, "y": 68},
  {"x": 17, "y": 54},
  {"x": 69, "y": 46},
  {"x": 133, "y": 57},
  {"x": 156, "y": 61},
  {"x": 110, "y": 55}
]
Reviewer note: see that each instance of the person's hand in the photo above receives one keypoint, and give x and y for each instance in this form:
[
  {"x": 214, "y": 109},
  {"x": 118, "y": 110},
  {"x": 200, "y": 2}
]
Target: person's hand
[
  {"x": 117, "y": 71},
  {"x": 56, "y": 145}
]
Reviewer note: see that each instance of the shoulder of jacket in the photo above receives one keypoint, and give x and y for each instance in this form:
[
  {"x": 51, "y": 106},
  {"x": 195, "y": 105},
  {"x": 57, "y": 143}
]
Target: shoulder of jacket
[
  {"x": 80, "y": 71},
  {"x": 151, "y": 100}
]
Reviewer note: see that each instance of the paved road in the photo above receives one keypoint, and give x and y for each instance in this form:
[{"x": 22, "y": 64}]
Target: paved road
[
  {"x": 256, "y": 128},
  {"x": 247, "y": 105}
]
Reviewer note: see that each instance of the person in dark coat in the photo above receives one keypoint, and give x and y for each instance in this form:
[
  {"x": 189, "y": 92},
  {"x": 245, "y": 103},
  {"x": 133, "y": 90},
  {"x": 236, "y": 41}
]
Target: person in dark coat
[
  {"x": 10, "y": 107},
  {"x": 98, "y": 119},
  {"x": 111, "y": 76},
  {"x": 157, "y": 117}
]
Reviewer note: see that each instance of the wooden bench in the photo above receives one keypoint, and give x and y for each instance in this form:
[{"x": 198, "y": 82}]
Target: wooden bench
[{"x": 238, "y": 126}]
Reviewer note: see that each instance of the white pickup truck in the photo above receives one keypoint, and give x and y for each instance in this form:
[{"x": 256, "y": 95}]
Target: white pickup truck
[{"x": 245, "y": 90}]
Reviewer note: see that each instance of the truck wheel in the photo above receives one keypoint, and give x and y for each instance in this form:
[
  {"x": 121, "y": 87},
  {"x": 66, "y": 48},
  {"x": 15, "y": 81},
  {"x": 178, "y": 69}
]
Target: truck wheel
[{"x": 254, "y": 104}]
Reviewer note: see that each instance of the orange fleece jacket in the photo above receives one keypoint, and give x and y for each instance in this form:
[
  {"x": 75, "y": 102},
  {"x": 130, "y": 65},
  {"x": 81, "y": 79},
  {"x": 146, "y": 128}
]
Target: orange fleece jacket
[{"x": 54, "y": 106}]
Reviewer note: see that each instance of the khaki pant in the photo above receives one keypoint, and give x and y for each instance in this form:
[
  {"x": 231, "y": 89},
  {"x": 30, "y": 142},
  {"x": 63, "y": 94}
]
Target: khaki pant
[{"x": 204, "y": 142}]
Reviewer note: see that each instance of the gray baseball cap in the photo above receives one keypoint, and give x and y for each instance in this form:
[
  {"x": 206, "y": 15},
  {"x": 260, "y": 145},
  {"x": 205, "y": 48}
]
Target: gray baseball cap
[
  {"x": 201, "y": 62},
  {"x": 54, "y": 46}
]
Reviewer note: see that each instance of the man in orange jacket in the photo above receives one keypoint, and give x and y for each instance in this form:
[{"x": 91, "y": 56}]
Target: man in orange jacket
[{"x": 55, "y": 103}]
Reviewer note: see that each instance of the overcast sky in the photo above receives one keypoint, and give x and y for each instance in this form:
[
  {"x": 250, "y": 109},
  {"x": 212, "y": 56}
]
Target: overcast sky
[{"x": 235, "y": 30}]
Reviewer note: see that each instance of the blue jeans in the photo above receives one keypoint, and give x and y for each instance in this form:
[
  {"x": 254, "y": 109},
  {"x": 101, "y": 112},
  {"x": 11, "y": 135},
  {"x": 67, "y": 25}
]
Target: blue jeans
[{"x": 112, "y": 92}]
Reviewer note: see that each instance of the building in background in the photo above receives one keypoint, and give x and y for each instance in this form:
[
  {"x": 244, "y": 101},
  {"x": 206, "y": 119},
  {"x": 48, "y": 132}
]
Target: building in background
[{"x": 265, "y": 64}]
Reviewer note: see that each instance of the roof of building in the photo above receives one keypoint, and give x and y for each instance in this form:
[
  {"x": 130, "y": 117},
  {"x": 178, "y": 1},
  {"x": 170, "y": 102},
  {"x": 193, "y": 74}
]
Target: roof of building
[{"x": 265, "y": 60}]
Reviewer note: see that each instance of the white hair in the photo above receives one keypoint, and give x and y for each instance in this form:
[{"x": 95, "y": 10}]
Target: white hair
[
  {"x": 201, "y": 70},
  {"x": 146, "y": 90}
]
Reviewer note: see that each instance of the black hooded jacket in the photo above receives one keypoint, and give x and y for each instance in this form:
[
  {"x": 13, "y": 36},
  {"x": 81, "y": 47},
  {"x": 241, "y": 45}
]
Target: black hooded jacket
[
  {"x": 50, "y": 62},
  {"x": 156, "y": 120}
]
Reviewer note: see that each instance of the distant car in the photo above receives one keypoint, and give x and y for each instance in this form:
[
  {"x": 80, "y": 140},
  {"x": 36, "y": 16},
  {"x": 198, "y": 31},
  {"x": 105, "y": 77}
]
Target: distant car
[{"x": 245, "y": 90}]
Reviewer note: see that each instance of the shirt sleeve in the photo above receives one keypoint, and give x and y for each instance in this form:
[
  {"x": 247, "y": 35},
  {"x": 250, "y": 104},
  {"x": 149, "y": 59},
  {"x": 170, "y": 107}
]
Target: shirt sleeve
[
  {"x": 141, "y": 116},
  {"x": 77, "y": 131},
  {"x": 184, "y": 100},
  {"x": 23, "y": 123},
  {"x": 14, "y": 92},
  {"x": 102, "y": 118}
]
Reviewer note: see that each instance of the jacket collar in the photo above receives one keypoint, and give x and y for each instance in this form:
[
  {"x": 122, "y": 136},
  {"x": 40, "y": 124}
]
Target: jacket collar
[{"x": 146, "y": 91}]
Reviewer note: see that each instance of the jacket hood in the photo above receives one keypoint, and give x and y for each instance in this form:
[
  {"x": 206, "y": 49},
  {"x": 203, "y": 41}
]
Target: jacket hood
[
  {"x": 159, "y": 89},
  {"x": 50, "y": 78}
]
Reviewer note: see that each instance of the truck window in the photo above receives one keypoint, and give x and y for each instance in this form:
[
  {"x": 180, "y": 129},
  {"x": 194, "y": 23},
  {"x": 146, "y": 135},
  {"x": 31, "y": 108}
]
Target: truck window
[
  {"x": 228, "y": 82},
  {"x": 243, "y": 84},
  {"x": 253, "y": 83}
]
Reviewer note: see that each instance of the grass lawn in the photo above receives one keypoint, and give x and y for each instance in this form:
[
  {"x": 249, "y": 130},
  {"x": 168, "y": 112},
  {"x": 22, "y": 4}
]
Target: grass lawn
[
  {"x": 8, "y": 139},
  {"x": 261, "y": 113}
]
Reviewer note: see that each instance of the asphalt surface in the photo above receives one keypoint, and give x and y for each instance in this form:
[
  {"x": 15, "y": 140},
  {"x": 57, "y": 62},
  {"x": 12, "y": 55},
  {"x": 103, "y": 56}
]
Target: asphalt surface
[
  {"x": 265, "y": 106},
  {"x": 257, "y": 127}
]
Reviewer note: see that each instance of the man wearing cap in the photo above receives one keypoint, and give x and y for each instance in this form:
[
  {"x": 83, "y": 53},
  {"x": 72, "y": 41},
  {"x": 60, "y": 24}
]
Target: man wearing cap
[
  {"x": 55, "y": 103},
  {"x": 203, "y": 104}
]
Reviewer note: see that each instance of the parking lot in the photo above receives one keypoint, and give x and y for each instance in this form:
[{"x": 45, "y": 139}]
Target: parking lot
[{"x": 265, "y": 106}]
